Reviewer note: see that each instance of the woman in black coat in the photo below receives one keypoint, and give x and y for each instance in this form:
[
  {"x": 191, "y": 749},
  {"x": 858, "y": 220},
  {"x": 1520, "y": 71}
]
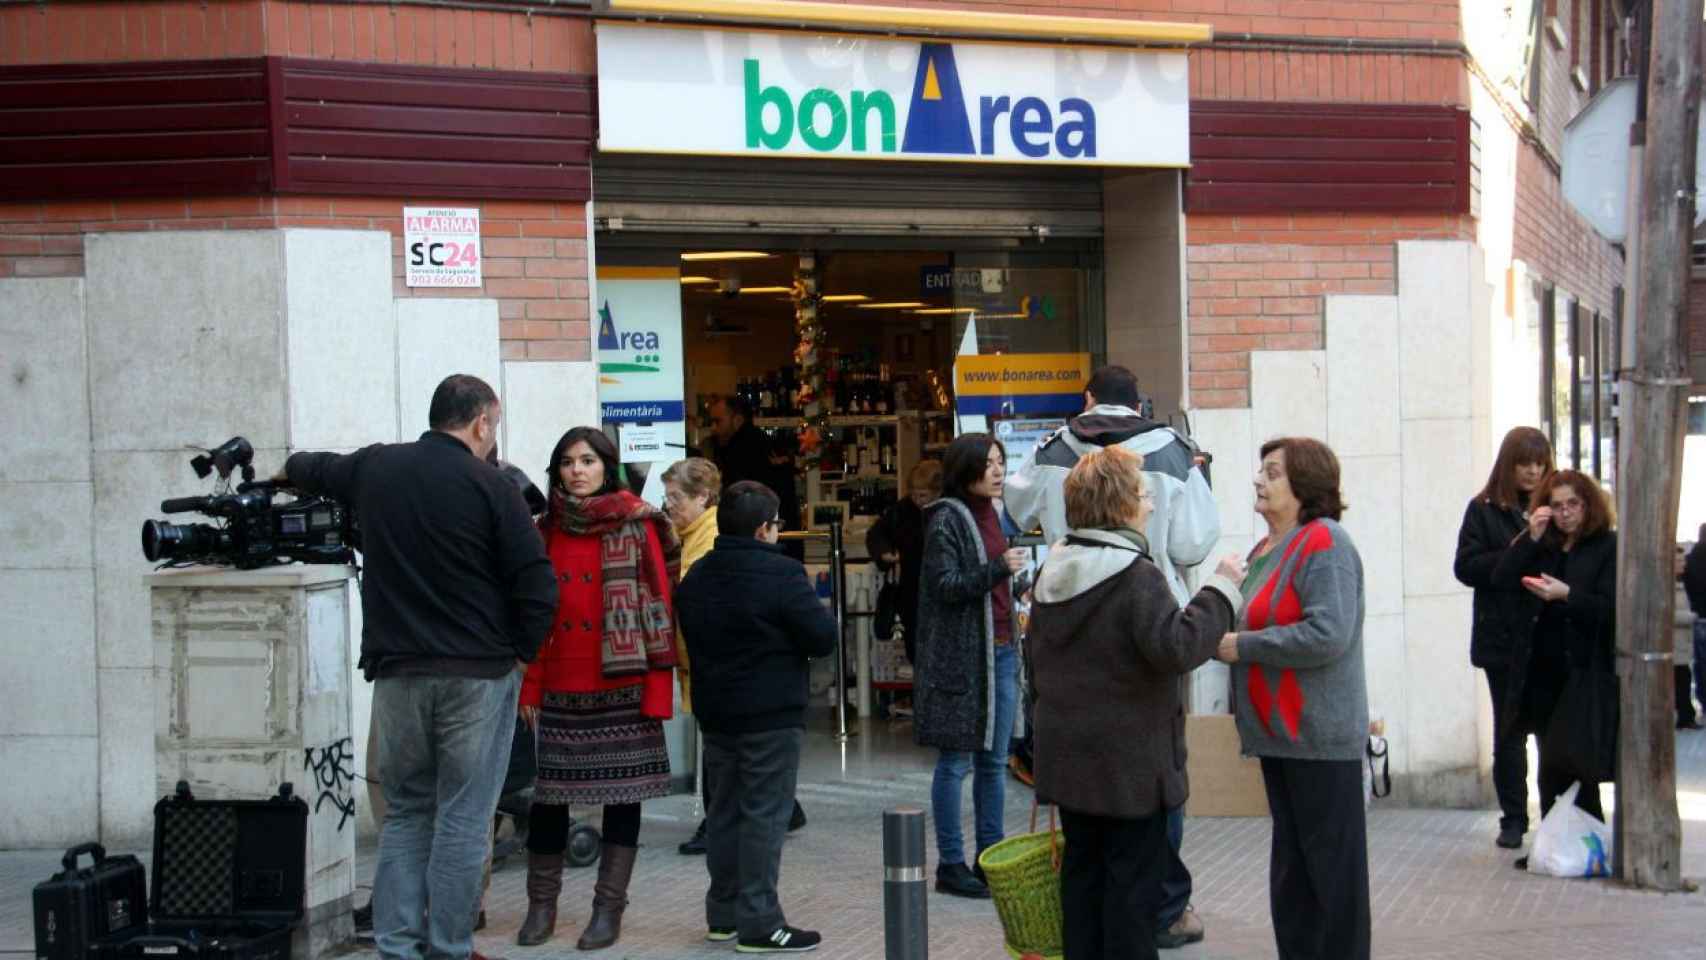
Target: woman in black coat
[
  {"x": 1566, "y": 561},
  {"x": 965, "y": 689},
  {"x": 1492, "y": 521}
]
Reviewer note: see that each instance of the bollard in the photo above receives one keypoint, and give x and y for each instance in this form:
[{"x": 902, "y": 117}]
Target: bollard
[{"x": 905, "y": 907}]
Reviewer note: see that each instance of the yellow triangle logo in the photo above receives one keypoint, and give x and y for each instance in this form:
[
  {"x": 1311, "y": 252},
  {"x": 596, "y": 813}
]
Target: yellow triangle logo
[{"x": 932, "y": 87}]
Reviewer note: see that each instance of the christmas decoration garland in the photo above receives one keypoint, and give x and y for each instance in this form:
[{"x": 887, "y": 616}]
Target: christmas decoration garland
[{"x": 814, "y": 412}]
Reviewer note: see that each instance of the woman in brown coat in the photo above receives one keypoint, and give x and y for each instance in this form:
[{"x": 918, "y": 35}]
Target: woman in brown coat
[{"x": 1107, "y": 645}]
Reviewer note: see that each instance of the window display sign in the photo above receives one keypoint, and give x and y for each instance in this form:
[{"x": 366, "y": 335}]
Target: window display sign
[
  {"x": 441, "y": 246},
  {"x": 1011, "y": 384},
  {"x": 640, "y": 385},
  {"x": 757, "y": 93}
]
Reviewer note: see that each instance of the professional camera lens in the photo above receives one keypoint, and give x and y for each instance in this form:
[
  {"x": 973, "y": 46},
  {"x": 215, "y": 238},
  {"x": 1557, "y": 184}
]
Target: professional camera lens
[{"x": 177, "y": 541}]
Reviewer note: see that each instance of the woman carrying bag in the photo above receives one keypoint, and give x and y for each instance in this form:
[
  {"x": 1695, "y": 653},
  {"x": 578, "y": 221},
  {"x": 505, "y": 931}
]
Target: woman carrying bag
[
  {"x": 1566, "y": 560},
  {"x": 1107, "y": 645}
]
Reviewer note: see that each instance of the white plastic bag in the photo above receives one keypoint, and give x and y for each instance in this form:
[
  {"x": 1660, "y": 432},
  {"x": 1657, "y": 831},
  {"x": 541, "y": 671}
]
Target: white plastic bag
[{"x": 1571, "y": 842}]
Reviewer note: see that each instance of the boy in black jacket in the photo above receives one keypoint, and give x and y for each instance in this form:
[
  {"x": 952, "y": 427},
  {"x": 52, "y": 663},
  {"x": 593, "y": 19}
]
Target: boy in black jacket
[{"x": 751, "y": 620}]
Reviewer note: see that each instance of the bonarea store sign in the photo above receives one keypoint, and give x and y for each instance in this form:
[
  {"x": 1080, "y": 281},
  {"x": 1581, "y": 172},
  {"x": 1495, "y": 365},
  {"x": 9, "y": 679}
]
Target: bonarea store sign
[{"x": 665, "y": 89}]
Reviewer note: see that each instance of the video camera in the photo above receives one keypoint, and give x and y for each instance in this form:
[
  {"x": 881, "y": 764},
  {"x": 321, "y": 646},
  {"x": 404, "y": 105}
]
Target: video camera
[{"x": 252, "y": 531}]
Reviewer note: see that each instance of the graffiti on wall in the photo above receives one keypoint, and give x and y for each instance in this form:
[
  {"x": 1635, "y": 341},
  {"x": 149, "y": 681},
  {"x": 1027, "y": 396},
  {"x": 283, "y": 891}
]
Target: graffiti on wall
[{"x": 333, "y": 769}]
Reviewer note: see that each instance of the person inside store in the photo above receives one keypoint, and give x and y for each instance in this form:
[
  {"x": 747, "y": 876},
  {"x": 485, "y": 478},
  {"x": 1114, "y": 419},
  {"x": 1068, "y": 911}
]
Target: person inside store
[
  {"x": 965, "y": 685},
  {"x": 1183, "y": 527},
  {"x": 1493, "y": 519},
  {"x": 1107, "y": 647},
  {"x": 458, "y": 592},
  {"x": 601, "y": 688},
  {"x": 1301, "y": 700},
  {"x": 896, "y": 544},
  {"x": 1565, "y": 560},
  {"x": 751, "y": 621},
  {"x": 744, "y": 452}
]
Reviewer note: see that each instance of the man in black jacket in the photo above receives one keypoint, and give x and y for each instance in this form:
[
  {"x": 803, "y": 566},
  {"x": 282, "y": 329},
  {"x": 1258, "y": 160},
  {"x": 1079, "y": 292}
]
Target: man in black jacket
[
  {"x": 1694, "y": 584},
  {"x": 751, "y": 620},
  {"x": 457, "y": 594}
]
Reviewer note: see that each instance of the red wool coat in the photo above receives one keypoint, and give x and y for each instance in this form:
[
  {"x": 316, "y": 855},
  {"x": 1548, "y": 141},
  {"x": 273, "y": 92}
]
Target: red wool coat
[{"x": 569, "y": 661}]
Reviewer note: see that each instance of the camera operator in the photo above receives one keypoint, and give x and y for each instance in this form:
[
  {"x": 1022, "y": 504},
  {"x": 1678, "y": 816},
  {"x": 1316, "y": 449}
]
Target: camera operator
[{"x": 457, "y": 590}]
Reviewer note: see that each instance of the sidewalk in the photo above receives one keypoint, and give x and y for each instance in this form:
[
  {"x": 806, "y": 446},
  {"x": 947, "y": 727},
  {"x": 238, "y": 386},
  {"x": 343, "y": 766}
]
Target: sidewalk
[{"x": 1440, "y": 888}]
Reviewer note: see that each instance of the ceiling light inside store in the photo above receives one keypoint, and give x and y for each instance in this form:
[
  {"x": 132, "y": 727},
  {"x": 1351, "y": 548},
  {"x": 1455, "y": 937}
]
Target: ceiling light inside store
[
  {"x": 766, "y": 289},
  {"x": 1002, "y": 316},
  {"x": 943, "y": 311},
  {"x": 725, "y": 255},
  {"x": 690, "y": 281},
  {"x": 897, "y": 305},
  {"x": 845, "y": 298}
]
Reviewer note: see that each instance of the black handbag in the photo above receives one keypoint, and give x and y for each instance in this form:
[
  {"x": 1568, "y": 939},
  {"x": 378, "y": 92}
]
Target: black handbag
[
  {"x": 887, "y": 613},
  {"x": 1581, "y": 736}
]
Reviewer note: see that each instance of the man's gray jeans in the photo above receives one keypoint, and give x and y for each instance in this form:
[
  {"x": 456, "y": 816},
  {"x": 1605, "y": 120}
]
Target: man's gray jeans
[
  {"x": 442, "y": 759},
  {"x": 752, "y": 796}
]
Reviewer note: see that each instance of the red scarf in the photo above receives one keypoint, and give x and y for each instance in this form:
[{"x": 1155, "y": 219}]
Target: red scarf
[{"x": 639, "y": 630}]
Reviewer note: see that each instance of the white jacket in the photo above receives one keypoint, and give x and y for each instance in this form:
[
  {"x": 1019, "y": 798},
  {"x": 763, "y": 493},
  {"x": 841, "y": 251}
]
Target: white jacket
[{"x": 1185, "y": 523}]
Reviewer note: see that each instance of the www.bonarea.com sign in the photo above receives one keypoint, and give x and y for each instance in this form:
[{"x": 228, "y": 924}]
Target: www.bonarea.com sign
[{"x": 733, "y": 92}]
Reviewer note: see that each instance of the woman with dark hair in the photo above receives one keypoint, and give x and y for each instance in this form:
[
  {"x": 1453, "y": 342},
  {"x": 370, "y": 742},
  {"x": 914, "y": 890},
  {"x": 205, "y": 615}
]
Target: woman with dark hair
[
  {"x": 965, "y": 688},
  {"x": 1494, "y": 518},
  {"x": 1301, "y": 700},
  {"x": 600, "y": 689},
  {"x": 1565, "y": 562}
]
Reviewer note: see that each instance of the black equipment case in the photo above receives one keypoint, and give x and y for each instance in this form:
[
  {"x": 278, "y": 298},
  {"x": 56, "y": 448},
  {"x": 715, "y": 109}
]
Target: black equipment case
[
  {"x": 228, "y": 880},
  {"x": 82, "y": 904}
]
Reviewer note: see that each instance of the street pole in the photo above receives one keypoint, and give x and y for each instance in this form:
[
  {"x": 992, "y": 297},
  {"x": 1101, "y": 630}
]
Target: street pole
[{"x": 1656, "y": 390}]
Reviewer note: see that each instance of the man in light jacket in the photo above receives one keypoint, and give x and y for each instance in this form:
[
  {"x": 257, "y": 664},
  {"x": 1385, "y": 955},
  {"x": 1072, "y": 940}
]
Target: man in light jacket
[
  {"x": 1182, "y": 530},
  {"x": 1186, "y": 523}
]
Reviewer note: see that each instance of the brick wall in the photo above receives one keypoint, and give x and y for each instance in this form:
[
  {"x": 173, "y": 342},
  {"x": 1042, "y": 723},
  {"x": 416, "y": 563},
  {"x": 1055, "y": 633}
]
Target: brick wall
[
  {"x": 384, "y": 33},
  {"x": 1556, "y": 243},
  {"x": 534, "y": 252},
  {"x": 1220, "y": 74},
  {"x": 1386, "y": 19},
  {"x": 1257, "y": 283}
]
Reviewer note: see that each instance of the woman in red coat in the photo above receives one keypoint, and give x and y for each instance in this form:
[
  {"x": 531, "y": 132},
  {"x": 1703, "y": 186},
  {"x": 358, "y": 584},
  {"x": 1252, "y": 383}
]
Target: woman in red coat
[{"x": 602, "y": 686}]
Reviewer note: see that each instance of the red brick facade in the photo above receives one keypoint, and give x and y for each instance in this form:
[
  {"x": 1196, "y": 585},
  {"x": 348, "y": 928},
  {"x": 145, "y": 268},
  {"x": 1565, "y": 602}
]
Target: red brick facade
[
  {"x": 1254, "y": 282},
  {"x": 1556, "y": 243},
  {"x": 535, "y": 258},
  {"x": 1257, "y": 283},
  {"x": 380, "y": 33}
]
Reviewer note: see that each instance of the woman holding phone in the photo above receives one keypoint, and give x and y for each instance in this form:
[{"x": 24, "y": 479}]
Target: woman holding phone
[
  {"x": 966, "y": 684},
  {"x": 1565, "y": 560}
]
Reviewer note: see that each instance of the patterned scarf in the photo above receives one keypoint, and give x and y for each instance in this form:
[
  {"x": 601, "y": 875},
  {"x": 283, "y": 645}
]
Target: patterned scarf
[{"x": 639, "y": 630}]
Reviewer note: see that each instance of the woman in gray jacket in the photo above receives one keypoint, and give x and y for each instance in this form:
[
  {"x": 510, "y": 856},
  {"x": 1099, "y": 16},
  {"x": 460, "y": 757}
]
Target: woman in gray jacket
[
  {"x": 1301, "y": 699},
  {"x": 965, "y": 691},
  {"x": 1107, "y": 645}
]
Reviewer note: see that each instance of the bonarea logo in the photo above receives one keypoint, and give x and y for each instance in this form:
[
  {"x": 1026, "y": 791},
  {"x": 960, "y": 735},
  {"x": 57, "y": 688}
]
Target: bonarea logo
[
  {"x": 628, "y": 351},
  {"x": 938, "y": 120}
]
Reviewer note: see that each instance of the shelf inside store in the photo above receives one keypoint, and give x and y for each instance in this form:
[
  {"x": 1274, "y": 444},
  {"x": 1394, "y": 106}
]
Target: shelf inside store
[{"x": 857, "y": 420}]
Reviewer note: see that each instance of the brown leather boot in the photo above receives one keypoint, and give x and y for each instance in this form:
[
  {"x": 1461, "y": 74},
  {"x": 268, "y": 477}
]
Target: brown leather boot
[
  {"x": 609, "y": 897},
  {"x": 544, "y": 883}
]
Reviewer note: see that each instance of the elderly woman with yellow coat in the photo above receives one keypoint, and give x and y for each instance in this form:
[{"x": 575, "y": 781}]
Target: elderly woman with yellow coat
[{"x": 690, "y": 494}]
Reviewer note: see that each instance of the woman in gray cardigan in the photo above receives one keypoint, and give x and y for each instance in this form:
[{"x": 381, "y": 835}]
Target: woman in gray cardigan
[
  {"x": 965, "y": 691},
  {"x": 1107, "y": 645},
  {"x": 1301, "y": 699}
]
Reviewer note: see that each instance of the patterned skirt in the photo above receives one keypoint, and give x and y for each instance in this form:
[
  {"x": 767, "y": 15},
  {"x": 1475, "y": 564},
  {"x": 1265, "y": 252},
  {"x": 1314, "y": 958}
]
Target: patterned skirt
[{"x": 596, "y": 748}]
